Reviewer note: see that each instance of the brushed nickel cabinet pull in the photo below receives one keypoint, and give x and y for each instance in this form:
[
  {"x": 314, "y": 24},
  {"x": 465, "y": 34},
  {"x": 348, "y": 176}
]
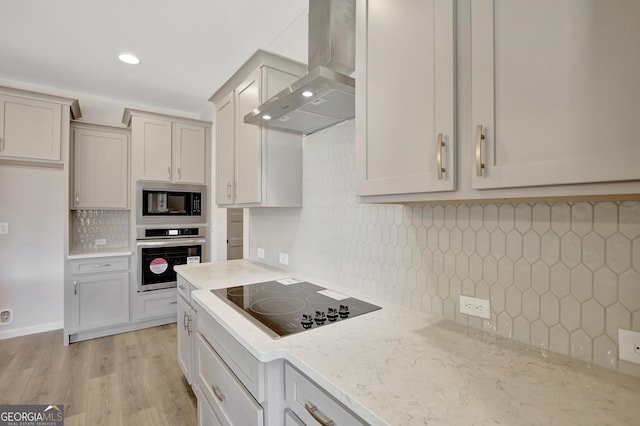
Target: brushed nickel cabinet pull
[
  {"x": 181, "y": 287},
  {"x": 217, "y": 392},
  {"x": 179, "y": 173},
  {"x": 184, "y": 322},
  {"x": 313, "y": 410},
  {"x": 75, "y": 288},
  {"x": 173, "y": 303},
  {"x": 441, "y": 145},
  {"x": 1, "y": 144},
  {"x": 168, "y": 172},
  {"x": 229, "y": 190},
  {"x": 189, "y": 329},
  {"x": 104, "y": 265},
  {"x": 479, "y": 138},
  {"x": 77, "y": 198}
]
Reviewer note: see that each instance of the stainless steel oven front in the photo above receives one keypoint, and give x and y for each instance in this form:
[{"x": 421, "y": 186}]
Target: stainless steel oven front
[{"x": 158, "y": 256}]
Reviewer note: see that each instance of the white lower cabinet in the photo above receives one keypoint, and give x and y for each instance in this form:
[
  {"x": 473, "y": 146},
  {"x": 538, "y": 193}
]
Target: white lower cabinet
[
  {"x": 312, "y": 404},
  {"x": 186, "y": 323},
  {"x": 156, "y": 304},
  {"x": 100, "y": 292},
  {"x": 235, "y": 388},
  {"x": 230, "y": 401}
]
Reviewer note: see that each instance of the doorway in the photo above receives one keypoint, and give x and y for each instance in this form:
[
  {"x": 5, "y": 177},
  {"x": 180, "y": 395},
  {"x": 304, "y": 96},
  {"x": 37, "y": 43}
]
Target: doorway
[{"x": 234, "y": 233}]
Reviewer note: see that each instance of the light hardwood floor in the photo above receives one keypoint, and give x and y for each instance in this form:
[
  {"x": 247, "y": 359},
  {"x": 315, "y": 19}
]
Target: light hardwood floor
[{"x": 127, "y": 379}]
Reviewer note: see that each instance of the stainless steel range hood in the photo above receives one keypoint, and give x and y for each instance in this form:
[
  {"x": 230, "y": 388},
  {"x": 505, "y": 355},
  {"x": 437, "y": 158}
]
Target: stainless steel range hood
[{"x": 325, "y": 95}]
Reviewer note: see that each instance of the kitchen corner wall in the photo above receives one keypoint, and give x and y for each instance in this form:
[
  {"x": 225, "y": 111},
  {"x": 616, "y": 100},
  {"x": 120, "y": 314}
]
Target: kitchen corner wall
[{"x": 561, "y": 276}]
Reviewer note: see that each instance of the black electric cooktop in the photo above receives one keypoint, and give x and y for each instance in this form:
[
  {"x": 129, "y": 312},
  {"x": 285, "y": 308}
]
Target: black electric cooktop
[{"x": 288, "y": 306}]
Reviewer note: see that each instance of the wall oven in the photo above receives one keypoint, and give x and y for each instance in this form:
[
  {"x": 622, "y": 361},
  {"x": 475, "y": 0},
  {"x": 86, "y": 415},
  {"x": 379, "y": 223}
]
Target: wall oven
[
  {"x": 159, "y": 250},
  {"x": 168, "y": 203}
]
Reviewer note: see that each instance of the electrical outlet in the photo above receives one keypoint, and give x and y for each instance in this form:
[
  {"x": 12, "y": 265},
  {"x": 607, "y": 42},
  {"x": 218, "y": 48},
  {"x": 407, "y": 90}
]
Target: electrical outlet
[
  {"x": 475, "y": 307},
  {"x": 6, "y": 316},
  {"x": 260, "y": 253},
  {"x": 4, "y": 228},
  {"x": 284, "y": 258},
  {"x": 629, "y": 345}
]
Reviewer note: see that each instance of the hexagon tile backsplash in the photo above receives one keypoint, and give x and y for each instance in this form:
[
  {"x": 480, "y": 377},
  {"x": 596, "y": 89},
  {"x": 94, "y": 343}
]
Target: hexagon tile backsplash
[{"x": 561, "y": 276}]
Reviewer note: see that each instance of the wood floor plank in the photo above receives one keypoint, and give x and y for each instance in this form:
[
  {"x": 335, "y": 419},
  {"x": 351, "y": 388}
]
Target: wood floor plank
[
  {"x": 150, "y": 417},
  {"x": 135, "y": 390},
  {"x": 74, "y": 377},
  {"x": 104, "y": 405},
  {"x": 77, "y": 420},
  {"x": 13, "y": 383},
  {"x": 103, "y": 357}
]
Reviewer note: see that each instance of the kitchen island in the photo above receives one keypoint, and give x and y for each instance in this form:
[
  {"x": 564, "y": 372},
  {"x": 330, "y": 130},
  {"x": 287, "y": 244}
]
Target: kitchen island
[{"x": 398, "y": 366}]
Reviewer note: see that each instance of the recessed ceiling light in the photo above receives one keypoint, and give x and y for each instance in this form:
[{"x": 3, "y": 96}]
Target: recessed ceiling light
[
  {"x": 307, "y": 93},
  {"x": 266, "y": 117},
  {"x": 127, "y": 58}
]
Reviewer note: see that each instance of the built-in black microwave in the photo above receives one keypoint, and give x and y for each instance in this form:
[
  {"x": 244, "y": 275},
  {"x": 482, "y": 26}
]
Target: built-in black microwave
[{"x": 164, "y": 203}]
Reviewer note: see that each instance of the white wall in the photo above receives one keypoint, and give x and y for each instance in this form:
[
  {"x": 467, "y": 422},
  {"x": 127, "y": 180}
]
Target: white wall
[{"x": 33, "y": 202}]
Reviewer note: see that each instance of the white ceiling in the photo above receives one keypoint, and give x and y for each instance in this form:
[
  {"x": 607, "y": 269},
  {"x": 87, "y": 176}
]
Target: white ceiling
[{"x": 188, "y": 48}]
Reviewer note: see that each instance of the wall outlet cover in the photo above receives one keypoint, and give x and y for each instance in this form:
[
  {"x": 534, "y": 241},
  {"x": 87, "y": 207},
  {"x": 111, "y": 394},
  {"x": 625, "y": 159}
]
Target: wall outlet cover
[
  {"x": 4, "y": 228},
  {"x": 284, "y": 258},
  {"x": 629, "y": 345},
  {"x": 260, "y": 253},
  {"x": 6, "y": 316},
  {"x": 475, "y": 306}
]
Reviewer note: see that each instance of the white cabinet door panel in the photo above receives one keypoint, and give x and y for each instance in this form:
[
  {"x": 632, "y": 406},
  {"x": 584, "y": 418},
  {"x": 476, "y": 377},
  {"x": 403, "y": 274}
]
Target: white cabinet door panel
[
  {"x": 30, "y": 128},
  {"x": 189, "y": 151},
  {"x": 100, "y": 300},
  {"x": 225, "y": 155},
  {"x": 248, "y": 143},
  {"x": 555, "y": 88},
  {"x": 405, "y": 97}
]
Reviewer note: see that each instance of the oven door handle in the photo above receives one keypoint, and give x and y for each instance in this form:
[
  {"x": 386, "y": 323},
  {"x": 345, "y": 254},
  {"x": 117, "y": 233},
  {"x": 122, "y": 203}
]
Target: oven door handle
[{"x": 171, "y": 242}]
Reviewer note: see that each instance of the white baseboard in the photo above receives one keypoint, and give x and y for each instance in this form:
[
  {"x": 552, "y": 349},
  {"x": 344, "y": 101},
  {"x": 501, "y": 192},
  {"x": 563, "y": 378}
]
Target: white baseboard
[{"x": 16, "y": 332}]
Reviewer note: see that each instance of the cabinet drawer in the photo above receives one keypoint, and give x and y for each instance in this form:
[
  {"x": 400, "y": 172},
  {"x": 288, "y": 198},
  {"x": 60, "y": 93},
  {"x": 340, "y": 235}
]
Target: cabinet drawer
[
  {"x": 291, "y": 419},
  {"x": 185, "y": 288},
  {"x": 226, "y": 394},
  {"x": 249, "y": 370},
  {"x": 99, "y": 264},
  {"x": 206, "y": 415},
  {"x": 157, "y": 304},
  {"x": 312, "y": 404}
]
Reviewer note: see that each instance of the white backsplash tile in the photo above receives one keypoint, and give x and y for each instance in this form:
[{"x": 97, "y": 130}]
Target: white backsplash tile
[{"x": 560, "y": 276}]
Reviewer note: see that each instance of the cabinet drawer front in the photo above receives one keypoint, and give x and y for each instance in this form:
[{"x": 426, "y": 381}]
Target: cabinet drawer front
[
  {"x": 291, "y": 419},
  {"x": 227, "y": 395},
  {"x": 248, "y": 369},
  {"x": 99, "y": 264},
  {"x": 156, "y": 305},
  {"x": 306, "y": 400},
  {"x": 185, "y": 288}
]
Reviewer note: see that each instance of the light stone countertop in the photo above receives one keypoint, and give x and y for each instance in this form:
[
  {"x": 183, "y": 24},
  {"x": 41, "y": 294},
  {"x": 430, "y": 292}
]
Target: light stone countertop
[
  {"x": 107, "y": 252},
  {"x": 398, "y": 366}
]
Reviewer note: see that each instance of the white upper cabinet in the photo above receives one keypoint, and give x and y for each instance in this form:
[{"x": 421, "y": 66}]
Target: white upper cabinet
[
  {"x": 255, "y": 166},
  {"x": 225, "y": 143},
  {"x": 189, "y": 153},
  {"x": 546, "y": 100},
  {"x": 555, "y": 92},
  {"x": 100, "y": 167},
  {"x": 248, "y": 147},
  {"x": 405, "y": 131},
  {"x": 167, "y": 148},
  {"x": 33, "y": 126}
]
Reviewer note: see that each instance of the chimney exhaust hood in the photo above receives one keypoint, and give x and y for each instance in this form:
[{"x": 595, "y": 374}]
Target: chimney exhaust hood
[{"x": 325, "y": 95}]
